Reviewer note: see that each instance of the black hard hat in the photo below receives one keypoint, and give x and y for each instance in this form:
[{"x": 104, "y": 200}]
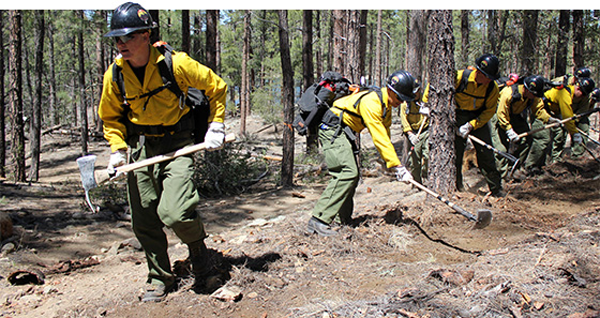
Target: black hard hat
[
  {"x": 488, "y": 64},
  {"x": 586, "y": 84},
  {"x": 595, "y": 95},
  {"x": 129, "y": 17},
  {"x": 583, "y": 72},
  {"x": 536, "y": 84},
  {"x": 404, "y": 85}
]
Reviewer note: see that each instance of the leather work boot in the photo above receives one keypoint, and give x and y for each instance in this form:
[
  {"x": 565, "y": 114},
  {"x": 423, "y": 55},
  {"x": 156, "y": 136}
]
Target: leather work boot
[
  {"x": 156, "y": 293},
  {"x": 317, "y": 226},
  {"x": 200, "y": 259}
]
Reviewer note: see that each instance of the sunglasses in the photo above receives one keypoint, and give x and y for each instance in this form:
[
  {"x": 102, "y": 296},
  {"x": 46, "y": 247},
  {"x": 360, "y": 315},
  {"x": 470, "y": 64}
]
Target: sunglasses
[{"x": 128, "y": 37}]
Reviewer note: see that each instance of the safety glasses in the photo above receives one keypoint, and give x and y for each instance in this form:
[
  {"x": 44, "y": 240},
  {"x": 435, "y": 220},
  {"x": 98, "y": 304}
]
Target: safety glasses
[{"x": 128, "y": 37}]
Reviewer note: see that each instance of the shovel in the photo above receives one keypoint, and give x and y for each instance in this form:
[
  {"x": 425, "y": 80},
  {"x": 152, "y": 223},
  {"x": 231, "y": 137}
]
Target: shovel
[
  {"x": 483, "y": 218},
  {"x": 511, "y": 158},
  {"x": 88, "y": 179}
]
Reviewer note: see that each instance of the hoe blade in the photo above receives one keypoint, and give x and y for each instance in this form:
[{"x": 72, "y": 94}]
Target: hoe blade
[{"x": 484, "y": 218}]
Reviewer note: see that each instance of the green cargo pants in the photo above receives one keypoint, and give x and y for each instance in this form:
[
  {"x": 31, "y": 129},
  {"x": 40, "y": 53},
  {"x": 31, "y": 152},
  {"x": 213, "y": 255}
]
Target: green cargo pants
[
  {"x": 485, "y": 157},
  {"x": 418, "y": 162},
  {"x": 577, "y": 150},
  {"x": 540, "y": 142},
  {"x": 559, "y": 138},
  {"x": 162, "y": 195},
  {"x": 520, "y": 149},
  {"x": 338, "y": 198}
]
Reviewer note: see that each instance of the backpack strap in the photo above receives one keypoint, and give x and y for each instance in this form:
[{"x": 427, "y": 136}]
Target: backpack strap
[
  {"x": 463, "y": 84},
  {"x": 165, "y": 68}
]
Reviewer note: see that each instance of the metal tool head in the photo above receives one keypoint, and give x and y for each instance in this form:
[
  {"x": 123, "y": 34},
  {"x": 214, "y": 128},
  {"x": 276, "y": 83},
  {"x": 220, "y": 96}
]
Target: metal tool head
[
  {"x": 88, "y": 178},
  {"x": 514, "y": 168},
  {"x": 86, "y": 169},
  {"x": 484, "y": 218}
]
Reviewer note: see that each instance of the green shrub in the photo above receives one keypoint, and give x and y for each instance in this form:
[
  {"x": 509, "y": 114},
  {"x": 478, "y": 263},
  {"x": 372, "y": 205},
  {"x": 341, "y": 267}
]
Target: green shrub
[{"x": 228, "y": 171}]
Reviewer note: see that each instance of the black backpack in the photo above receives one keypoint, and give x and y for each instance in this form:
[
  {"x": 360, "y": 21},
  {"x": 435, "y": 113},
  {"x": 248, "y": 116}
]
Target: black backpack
[
  {"x": 317, "y": 99},
  {"x": 195, "y": 99}
]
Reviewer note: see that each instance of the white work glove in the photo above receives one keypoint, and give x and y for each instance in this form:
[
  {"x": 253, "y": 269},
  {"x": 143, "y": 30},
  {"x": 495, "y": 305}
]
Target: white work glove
[
  {"x": 553, "y": 120},
  {"x": 465, "y": 130},
  {"x": 414, "y": 139},
  {"x": 117, "y": 159},
  {"x": 215, "y": 136},
  {"x": 577, "y": 139},
  {"x": 402, "y": 174},
  {"x": 512, "y": 135},
  {"x": 424, "y": 110}
]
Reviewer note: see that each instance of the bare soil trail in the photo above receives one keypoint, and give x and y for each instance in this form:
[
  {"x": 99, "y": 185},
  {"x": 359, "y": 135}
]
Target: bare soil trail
[{"x": 405, "y": 255}]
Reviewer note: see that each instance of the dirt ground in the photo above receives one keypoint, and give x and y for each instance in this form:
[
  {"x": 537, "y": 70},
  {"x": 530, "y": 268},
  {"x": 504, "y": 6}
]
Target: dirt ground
[{"x": 405, "y": 255}]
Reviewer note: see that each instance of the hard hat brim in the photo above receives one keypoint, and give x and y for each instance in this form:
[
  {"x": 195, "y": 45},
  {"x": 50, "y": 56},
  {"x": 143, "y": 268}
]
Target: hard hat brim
[{"x": 124, "y": 31}]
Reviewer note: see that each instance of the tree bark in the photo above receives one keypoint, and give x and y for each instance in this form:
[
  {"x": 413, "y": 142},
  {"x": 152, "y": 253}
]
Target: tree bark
[
  {"x": 416, "y": 43},
  {"x": 493, "y": 31},
  {"x": 185, "y": 31},
  {"x": 339, "y": 41},
  {"x": 36, "y": 117},
  {"x": 16, "y": 95},
  {"x": 442, "y": 171},
  {"x": 564, "y": 25},
  {"x": 528, "y": 52},
  {"x": 578, "y": 39},
  {"x": 287, "y": 90},
  {"x": 308, "y": 77},
  {"x": 2, "y": 101},
  {"x": 464, "y": 32},
  {"x": 244, "y": 87},
  {"x": 378, "y": 46},
  {"x": 82, "y": 102},
  {"x": 212, "y": 17}
]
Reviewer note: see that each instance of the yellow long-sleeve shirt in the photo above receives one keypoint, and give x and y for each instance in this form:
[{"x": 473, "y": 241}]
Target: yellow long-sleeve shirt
[
  {"x": 472, "y": 98},
  {"x": 508, "y": 105},
  {"x": 163, "y": 107},
  {"x": 410, "y": 117},
  {"x": 558, "y": 101},
  {"x": 371, "y": 116}
]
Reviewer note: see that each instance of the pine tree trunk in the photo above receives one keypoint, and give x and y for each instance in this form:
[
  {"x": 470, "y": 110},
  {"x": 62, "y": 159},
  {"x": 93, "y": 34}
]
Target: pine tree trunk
[
  {"x": 378, "y": 47},
  {"x": 36, "y": 118},
  {"x": 351, "y": 45},
  {"x": 185, "y": 31},
  {"x": 53, "y": 103},
  {"x": 15, "y": 82},
  {"x": 211, "y": 39},
  {"x": 2, "y": 101},
  {"x": 464, "y": 32},
  {"x": 442, "y": 171},
  {"x": 244, "y": 88},
  {"x": 339, "y": 44},
  {"x": 416, "y": 43},
  {"x": 564, "y": 24},
  {"x": 528, "y": 53},
  {"x": 308, "y": 77},
  {"x": 287, "y": 89},
  {"x": 82, "y": 100},
  {"x": 578, "y": 39}
]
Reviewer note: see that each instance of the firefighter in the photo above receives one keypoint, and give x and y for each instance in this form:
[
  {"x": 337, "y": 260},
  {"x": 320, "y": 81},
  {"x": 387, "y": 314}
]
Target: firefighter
[
  {"x": 151, "y": 121},
  {"x": 371, "y": 109},
  {"x": 476, "y": 100},
  {"x": 414, "y": 116},
  {"x": 512, "y": 119}
]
